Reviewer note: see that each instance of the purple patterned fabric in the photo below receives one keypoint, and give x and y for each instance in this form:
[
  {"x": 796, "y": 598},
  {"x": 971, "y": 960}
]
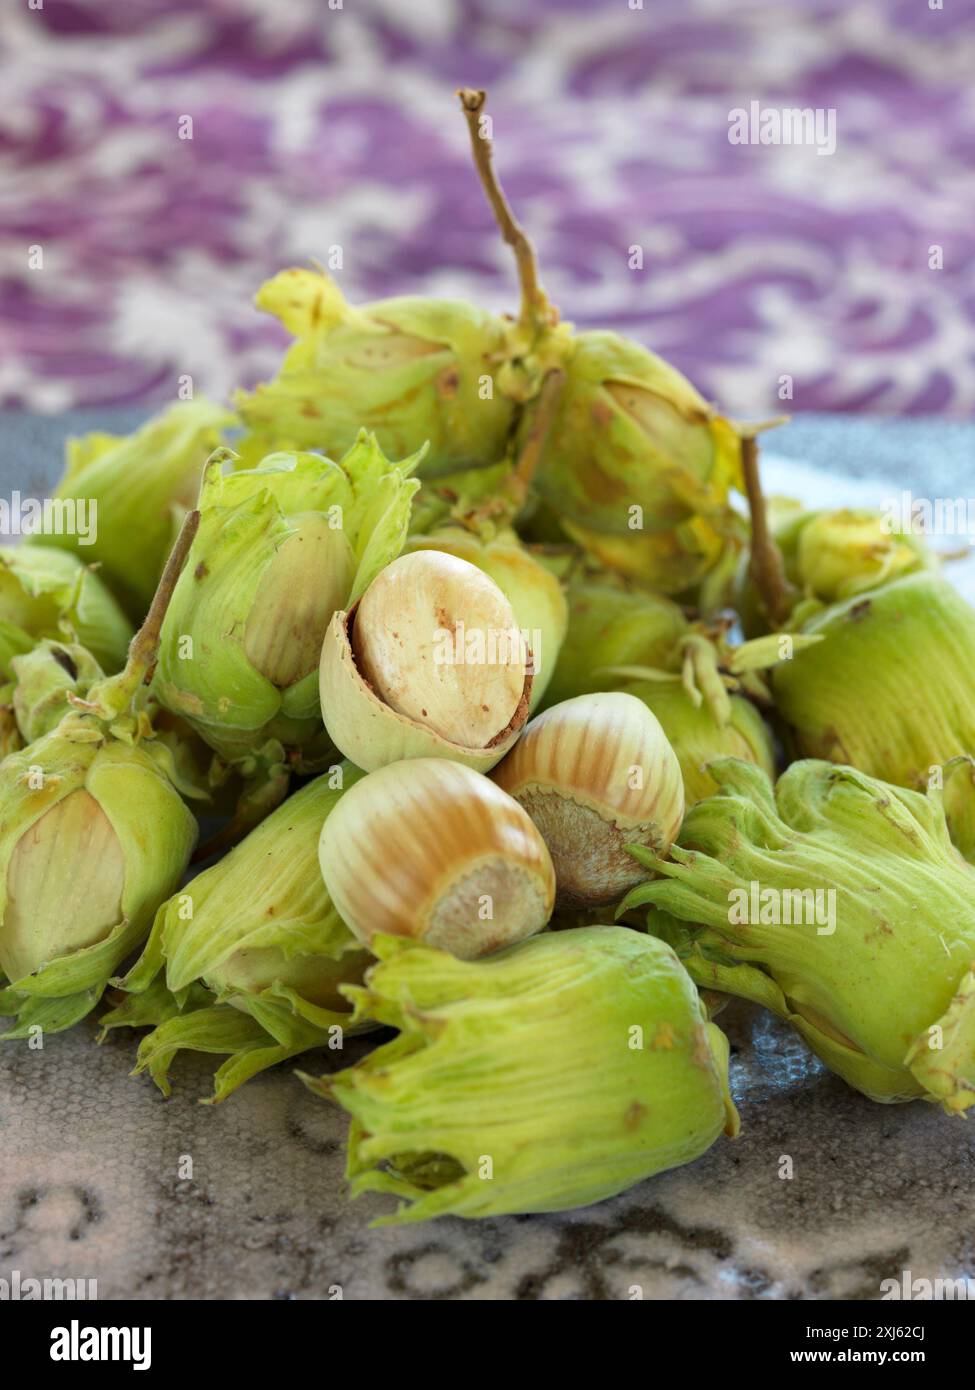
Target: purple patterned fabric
[{"x": 316, "y": 127}]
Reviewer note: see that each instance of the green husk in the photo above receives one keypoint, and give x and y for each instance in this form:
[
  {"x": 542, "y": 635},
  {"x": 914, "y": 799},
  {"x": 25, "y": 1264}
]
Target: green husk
[
  {"x": 410, "y": 370},
  {"x": 829, "y": 556},
  {"x": 280, "y": 547},
  {"x": 832, "y": 555},
  {"x": 248, "y": 959},
  {"x": 552, "y": 1075},
  {"x": 10, "y": 735},
  {"x": 478, "y": 499},
  {"x": 42, "y": 681},
  {"x": 50, "y": 593},
  {"x": 55, "y": 677},
  {"x": 698, "y": 736},
  {"x": 672, "y": 562},
  {"x": 889, "y": 687},
  {"x": 612, "y": 623},
  {"x": 638, "y": 466},
  {"x": 631, "y": 431},
  {"x": 143, "y": 484},
  {"x": 957, "y": 779},
  {"x": 93, "y": 836},
  {"x": 883, "y": 992}
]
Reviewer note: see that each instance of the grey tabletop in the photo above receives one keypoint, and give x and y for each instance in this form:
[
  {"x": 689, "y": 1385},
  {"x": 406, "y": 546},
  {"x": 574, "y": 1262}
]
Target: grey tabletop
[{"x": 95, "y": 1183}]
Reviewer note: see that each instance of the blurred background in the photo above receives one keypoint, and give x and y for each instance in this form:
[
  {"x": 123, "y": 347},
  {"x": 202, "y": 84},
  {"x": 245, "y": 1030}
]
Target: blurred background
[{"x": 315, "y": 127}]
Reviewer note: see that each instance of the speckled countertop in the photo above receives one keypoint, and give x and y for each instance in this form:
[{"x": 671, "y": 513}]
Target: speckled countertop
[{"x": 90, "y": 1160}]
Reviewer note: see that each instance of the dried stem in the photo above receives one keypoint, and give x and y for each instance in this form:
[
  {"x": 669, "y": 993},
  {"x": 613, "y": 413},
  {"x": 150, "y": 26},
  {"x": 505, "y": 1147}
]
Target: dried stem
[
  {"x": 542, "y": 417},
  {"x": 108, "y": 698},
  {"x": 144, "y": 647},
  {"x": 765, "y": 563},
  {"x": 535, "y": 308}
]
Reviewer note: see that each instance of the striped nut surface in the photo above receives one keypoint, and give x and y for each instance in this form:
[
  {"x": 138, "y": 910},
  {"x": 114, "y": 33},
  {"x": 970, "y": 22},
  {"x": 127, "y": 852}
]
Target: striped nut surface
[
  {"x": 430, "y": 849},
  {"x": 596, "y": 773}
]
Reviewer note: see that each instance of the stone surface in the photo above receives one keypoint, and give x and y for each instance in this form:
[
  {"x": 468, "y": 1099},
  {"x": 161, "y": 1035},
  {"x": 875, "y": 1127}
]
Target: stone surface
[{"x": 90, "y": 1159}]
